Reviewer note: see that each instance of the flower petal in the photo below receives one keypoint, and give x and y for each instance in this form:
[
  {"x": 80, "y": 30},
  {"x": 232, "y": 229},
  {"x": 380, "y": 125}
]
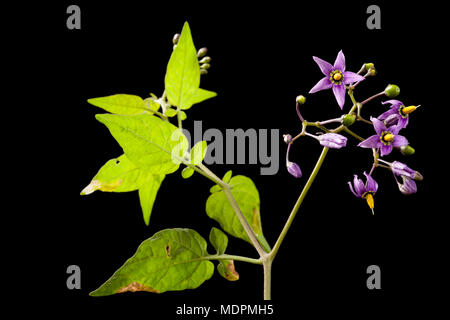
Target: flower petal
[
  {"x": 350, "y": 77},
  {"x": 386, "y": 114},
  {"x": 399, "y": 141},
  {"x": 372, "y": 185},
  {"x": 385, "y": 149},
  {"x": 359, "y": 186},
  {"x": 324, "y": 66},
  {"x": 371, "y": 142},
  {"x": 339, "y": 93},
  {"x": 393, "y": 102},
  {"x": 323, "y": 84},
  {"x": 339, "y": 63},
  {"x": 378, "y": 125}
]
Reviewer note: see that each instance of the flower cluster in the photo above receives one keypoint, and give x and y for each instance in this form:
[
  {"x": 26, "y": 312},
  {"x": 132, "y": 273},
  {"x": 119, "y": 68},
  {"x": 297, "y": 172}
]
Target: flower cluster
[{"x": 387, "y": 127}]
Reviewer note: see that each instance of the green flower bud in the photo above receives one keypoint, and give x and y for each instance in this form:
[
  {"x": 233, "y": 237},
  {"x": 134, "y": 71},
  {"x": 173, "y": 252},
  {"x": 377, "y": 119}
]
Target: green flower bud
[
  {"x": 205, "y": 66},
  {"x": 203, "y": 71},
  {"x": 372, "y": 71},
  {"x": 205, "y": 60},
  {"x": 202, "y": 52},
  {"x": 348, "y": 120},
  {"x": 369, "y": 65},
  {"x": 407, "y": 150},
  {"x": 392, "y": 91},
  {"x": 300, "y": 99},
  {"x": 176, "y": 38}
]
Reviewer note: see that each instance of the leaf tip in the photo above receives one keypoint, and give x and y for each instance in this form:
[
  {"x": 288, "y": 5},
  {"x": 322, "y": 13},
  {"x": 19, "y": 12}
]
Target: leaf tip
[{"x": 91, "y": 187}]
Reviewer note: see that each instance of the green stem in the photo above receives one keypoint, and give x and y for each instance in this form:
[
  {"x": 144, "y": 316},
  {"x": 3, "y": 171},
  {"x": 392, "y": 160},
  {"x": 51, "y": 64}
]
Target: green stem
[
  {"x": 267, "y": 265},
  {"x": 350, "y": 132},
  {"x": 231, "y": 257},
  {"x": 294, "y": 211}
]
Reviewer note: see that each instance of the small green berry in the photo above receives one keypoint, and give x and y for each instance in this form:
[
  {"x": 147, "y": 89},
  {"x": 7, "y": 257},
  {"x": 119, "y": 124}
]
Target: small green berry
[
  {"x": 300, "y": 99},
  {"x": 348, "y": 120},
  {"x": 392, "y": 91}
]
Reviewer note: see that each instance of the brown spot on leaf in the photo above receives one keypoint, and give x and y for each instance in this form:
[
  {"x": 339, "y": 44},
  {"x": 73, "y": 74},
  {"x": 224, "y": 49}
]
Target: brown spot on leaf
[
  {"x": 168, "y": 250},
  {"x": 136, "y": 286}
]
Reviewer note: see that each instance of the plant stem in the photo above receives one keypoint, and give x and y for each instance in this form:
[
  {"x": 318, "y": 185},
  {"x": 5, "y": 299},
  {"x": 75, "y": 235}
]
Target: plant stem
[
  {"x": 232, "y": 257},
  {"x": 350, "y": 132},
  {"x": 294, "y": 211},
  {"x": 267, "y": 265}
]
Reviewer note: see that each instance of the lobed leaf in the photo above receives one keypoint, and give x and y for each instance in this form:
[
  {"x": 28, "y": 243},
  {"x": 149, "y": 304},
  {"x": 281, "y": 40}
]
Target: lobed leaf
[
  {"x": 247, "y": 197},
  {"x": 170, "y": 260},
  {"x": 149, "y": 142}
]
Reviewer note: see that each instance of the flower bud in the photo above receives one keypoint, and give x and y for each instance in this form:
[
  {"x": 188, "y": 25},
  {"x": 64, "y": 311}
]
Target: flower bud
[
  {"x": 203, "y": 72},
  {"x": 392, "y": 91},
  {"x": 287, "y": 138},
  {"x": 202, "y": 52},
  {"x": 205, "y": 66},
  {"x": 332, "y": 140},
  {"x": 348, "y": 120},
  {"x": 205, "y": 60},
  {"x": 408, "y": 186},
  {"x": 294, "y": 169},
  {"x": 300, "y": 99},
  {"x": 407, "y": 150},
  {"x": 176, "y": 38},
  {"x": 401, "y": 169},
  {"x": 371, "y": 72}
]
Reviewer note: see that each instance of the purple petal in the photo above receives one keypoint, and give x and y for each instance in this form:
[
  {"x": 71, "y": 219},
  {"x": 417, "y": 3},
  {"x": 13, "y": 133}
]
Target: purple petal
[
  {"x": 371, "y": 142},
  {"x": 399, "y": 141},
  {"x": 386, "y": 114},
  {"x": 408, "y": 186},
  {"x": 323, "y": 84},
  {"x": 359, "y": 186},
  {"x": 351, "y": 189},
  {"x": 350, "y": 77},
  {"x": 378, "y": 125},
  {"x": 339, "y": 63},
  {"x": 402, "y": 122},
  {"x": 401, "y": 169},
  {"x": 372, "y": 185},
  {"x": 385, "y": 149},
  {"x": 393, "y": 102},
  {"x": 324, "y": 66},
  {"x": 339, "y": 93}
]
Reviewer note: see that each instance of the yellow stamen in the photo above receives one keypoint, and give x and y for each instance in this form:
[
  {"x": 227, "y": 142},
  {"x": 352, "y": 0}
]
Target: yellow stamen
[
  {"x": 388, "y": 137},
  {"x": 337, "y": 76},
  {"x": 369, "y": 199},
  {"x": 408, "y": 110}
]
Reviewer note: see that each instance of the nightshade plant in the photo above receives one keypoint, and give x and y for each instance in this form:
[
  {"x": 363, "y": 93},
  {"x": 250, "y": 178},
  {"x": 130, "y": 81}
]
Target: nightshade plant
[{"x": 177, "y": 259}]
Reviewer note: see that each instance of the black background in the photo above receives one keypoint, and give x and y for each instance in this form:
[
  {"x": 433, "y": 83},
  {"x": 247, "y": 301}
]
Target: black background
[{"x": 261, "y": 60}]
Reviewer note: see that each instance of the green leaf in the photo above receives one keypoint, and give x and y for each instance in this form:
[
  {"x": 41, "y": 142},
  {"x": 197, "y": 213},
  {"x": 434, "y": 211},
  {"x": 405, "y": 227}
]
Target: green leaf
[
  {"x": 215, "y": 188},
  {"x": 219, "y": 240},
  {"x": 149, "y": 142},
  {"x": 247, "y": 197},
  {"x": 187, "y": 172},
  {"x": 227, "y": 270},
  {"x": 171, "y": 260},
  {"x": 151, "y": 103},
  {"x": 147, "y": 195},
  {"x": 226, "y": 178},
  {"x": 117, "y": 175},
  {"x": 198, "y": 152},
  {"x": 170, "y": 112},
  {"x": 125, "y": 104},
  {"x": 183, "y": 72},
  {"x": 201, "y": 95}
]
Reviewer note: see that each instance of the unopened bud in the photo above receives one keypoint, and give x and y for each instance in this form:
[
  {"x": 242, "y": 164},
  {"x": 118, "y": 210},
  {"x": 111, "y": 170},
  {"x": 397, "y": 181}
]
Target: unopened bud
[
  {"x": 203, "y": 72},
  {"x": 348, "y": 120},
  {"x": 392, "y": 91},
  {"x": 176, "y": 38},
  {"x": 174, "y": 46},
  {"x": 300, "y": 99},
  {"x": 205, "y": 66},
  {"x": 287, "y": 138},
  {"x": 371, "y": 72},
  {"x": 407, "y": 150},
  {"x": 202, "y": 52},
  {"x": 205, "y": 60},
  {"x": 294, "y": 169}
]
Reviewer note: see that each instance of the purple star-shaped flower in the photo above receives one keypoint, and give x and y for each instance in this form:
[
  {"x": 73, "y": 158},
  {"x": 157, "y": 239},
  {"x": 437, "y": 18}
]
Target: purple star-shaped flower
[
  {"x": 395, "y": 114},
  {"x": 385, "y": 139},
  {"x": 335, "y": 77},
  {"x": 364, "y": 191}
]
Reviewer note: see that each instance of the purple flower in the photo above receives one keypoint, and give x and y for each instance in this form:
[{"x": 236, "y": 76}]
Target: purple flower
[
  {"x": 332, "y": 140},
  {"x": 292, "y": 167},
  {"x": 401, "y": 169},
  {"x": 364, "y": 191},
  {"x": 398, "y": 114},
  {"x": 408, "y": 186},
  {"x": 335, "y": 77},
  {"x": 385, "y": 139}
]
